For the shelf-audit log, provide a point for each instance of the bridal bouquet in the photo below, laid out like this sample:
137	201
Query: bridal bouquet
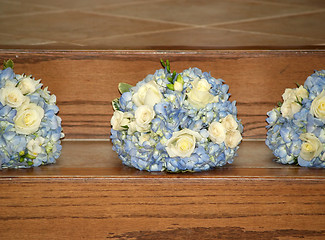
175	122
30	130
296	129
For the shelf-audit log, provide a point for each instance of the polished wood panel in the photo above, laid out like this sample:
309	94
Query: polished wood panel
89	194
85	82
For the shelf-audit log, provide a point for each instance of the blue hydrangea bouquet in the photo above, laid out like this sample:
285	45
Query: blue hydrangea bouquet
296	129
30	130
175	122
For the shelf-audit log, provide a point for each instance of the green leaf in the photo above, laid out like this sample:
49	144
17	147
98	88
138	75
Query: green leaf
124	87
8	64
170	86
162	63
170	79
280	104
298	85
180	79
116	104
30	156
168	66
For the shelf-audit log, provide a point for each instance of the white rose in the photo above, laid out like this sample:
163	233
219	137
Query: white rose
182	143
289	108
34	146
11	96
217	132
311	146
27	85
229	123
199	96
120	119
317	107
301	92
143	116
148	94
233	138
289	95
28	118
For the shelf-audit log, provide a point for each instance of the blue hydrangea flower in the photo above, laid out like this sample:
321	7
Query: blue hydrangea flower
175	134
296	135
38	140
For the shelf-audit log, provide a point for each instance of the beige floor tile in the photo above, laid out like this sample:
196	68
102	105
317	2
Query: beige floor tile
314	3
201	38
202	12
74	25
13	8
22	40
309	25
74	4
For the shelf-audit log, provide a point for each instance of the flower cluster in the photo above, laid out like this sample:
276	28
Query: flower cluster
30	130
296	129
175	122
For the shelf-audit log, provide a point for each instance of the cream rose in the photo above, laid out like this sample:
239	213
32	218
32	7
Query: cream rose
28	118
311	146
34	146
199	96
120	119
289	95
233	138
289	108
27	85
317	107
217	132
148	94
143	116
11	96
182	143
229	123
301	92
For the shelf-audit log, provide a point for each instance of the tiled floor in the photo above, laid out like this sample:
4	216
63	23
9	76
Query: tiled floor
162	24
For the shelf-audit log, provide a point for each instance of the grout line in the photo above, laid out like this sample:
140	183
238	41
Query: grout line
278	3
265	18
264	33
127	4
33	13
138	34
138	18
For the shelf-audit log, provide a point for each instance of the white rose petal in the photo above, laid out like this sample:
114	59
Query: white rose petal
120	119
233	138
11	96
143	138
182	143
311	146
217	132
178	86
28	118
289	95
288	109
199	96
317	107
27	85
148	94
301	92
229	123
34	146
143	116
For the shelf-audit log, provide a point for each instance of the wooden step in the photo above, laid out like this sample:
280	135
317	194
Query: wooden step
89	194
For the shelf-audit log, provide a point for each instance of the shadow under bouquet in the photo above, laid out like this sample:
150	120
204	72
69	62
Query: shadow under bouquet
175	122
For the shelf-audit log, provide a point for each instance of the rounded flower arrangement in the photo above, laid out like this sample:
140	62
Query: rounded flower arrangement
30	130
175	122
296	128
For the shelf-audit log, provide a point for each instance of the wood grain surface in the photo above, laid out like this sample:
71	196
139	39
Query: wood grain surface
89	194
85	82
